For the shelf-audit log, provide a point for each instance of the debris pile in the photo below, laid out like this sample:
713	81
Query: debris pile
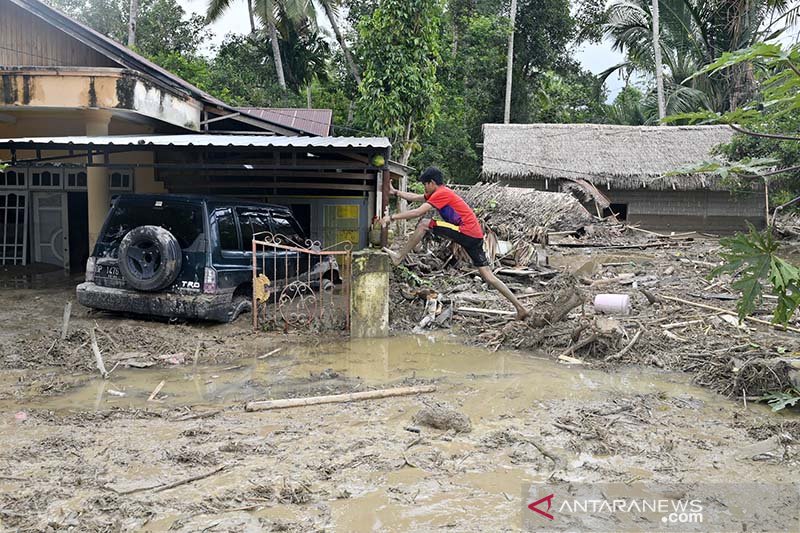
674	315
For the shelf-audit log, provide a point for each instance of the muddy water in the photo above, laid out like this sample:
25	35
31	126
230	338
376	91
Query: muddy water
501	382
352	455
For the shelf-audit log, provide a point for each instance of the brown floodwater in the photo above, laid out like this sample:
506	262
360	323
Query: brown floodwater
503	380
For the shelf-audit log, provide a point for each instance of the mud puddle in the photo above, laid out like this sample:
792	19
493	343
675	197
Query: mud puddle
502	381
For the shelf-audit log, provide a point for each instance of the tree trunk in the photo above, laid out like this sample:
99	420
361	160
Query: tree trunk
276	53
250	15
408	145
662	112
134	13
347	55
510	63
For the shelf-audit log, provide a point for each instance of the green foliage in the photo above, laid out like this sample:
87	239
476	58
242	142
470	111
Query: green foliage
163	26
566	98
3	167
781	400
400	51
753	258
693	34
628	108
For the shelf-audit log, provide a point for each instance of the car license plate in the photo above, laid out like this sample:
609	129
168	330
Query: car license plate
108	271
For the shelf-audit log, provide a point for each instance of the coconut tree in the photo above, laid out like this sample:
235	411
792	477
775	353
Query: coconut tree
332	13
692	34
269	13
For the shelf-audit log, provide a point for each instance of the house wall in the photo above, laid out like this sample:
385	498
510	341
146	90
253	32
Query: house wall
27	40
713	211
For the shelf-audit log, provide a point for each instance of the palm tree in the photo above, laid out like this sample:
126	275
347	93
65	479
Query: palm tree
694	33
331	11
269	12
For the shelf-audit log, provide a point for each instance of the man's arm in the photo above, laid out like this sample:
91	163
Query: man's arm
409	196
411	213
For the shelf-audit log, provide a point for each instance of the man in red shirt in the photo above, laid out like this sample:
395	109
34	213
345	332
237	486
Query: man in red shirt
459	224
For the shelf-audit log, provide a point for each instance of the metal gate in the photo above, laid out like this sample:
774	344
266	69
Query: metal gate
301	287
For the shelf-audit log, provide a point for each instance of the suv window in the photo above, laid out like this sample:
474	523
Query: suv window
185	222
252	221
285	225
226	228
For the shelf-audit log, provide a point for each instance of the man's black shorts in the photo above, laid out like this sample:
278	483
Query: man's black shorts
473	245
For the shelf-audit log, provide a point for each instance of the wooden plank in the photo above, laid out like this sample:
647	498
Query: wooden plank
337	398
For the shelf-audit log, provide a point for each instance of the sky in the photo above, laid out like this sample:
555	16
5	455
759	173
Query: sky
594	57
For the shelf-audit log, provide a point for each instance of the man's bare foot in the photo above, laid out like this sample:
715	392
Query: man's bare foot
394	256
523	315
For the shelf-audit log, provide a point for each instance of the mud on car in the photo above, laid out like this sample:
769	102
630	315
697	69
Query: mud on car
188	256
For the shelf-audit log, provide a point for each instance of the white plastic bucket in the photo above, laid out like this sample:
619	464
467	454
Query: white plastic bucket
613	304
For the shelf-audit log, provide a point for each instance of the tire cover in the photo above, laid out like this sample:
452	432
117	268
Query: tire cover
149	258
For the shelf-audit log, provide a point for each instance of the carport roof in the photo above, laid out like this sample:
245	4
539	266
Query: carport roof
198	140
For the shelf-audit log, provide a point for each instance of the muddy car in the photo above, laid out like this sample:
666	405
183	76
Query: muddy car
188	256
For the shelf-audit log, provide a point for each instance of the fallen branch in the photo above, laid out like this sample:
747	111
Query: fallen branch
189	479
620	354
196	416
571	350
337	398
97	356
163	487
488	312
728	311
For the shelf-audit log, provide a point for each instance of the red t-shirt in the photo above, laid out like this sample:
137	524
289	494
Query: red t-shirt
454	210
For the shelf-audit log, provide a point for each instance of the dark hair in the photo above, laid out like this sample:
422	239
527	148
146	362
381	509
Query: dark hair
431	174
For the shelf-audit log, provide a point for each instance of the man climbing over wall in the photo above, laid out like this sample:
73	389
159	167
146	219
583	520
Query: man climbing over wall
459	224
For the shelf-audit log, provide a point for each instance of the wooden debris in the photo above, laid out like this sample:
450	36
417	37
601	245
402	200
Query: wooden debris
156	391
486	312
97	355
620	354
163	487
273	352
65	322
728	311
338	398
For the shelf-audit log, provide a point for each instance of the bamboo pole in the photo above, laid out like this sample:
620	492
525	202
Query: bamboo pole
728	311
266	405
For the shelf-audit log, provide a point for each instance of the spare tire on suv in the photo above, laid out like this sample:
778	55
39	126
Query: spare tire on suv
149	258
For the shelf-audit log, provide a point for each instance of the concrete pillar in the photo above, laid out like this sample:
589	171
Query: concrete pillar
369	295
97	191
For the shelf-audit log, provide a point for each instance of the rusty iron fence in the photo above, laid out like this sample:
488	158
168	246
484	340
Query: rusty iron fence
301	286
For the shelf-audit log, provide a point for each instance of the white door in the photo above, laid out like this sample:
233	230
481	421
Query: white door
50	229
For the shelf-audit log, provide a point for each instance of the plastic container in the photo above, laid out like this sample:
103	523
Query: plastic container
613	304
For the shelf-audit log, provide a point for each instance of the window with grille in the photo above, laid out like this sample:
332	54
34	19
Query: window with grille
13	178
76	179
13	223
46	178
120	180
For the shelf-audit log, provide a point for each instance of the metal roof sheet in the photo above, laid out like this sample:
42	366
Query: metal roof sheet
315	121
200	140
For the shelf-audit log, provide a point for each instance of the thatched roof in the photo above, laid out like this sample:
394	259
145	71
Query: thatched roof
522	210
616	157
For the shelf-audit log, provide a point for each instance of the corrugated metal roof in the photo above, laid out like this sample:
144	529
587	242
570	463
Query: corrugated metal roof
314	121
238	141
